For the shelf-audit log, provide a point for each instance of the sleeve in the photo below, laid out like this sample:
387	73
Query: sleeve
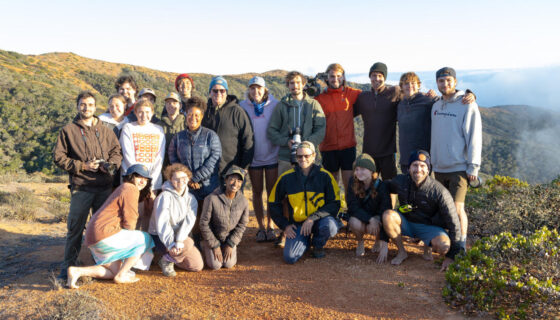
60	155
188	222
162	215
127	145
207	168
129	209
235	236
115	152
472	131
204	223
274	129
246	138
173	148
275	206
155	171
332	199
358	105
319	124
450	218
354	207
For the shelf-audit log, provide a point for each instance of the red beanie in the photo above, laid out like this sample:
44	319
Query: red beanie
181	76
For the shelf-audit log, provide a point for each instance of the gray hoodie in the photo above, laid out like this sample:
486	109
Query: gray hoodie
173	216
456	143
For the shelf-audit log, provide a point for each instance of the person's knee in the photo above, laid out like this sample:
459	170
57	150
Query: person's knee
390	218
441	244
355	225
292	254
214	265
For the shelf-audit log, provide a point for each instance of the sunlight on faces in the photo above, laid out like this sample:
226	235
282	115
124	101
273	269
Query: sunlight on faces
233	183
305	157
410	88
446	85
127	91
144	114
140	182
256	93
179	181
185	88
116	108
418	171
335	79
218	94
296	86
363	174
194	118
172	107
86	108
149	96
377	80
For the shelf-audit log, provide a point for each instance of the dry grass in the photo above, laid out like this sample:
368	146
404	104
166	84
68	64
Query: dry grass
19	205
77	305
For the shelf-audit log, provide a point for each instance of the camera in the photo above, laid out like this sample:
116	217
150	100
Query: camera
108	167
296	137
312	87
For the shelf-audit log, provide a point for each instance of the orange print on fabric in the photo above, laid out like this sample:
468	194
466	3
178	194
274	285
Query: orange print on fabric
146	147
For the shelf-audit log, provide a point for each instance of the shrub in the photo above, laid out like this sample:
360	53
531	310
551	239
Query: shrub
509	276
77	305
21	205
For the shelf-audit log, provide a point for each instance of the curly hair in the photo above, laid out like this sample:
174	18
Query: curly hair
124	79
195	102
176	167
292	74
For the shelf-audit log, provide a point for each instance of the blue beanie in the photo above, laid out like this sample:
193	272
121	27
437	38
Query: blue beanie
218	80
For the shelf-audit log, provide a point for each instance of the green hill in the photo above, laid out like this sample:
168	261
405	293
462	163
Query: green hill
38	91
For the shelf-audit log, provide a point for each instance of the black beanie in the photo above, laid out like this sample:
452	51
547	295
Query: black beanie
379	67
420	155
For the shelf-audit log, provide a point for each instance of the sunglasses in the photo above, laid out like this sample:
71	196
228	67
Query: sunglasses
220	91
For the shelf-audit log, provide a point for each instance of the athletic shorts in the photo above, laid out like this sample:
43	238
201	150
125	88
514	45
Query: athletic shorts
339	159
386	166
455	182
424	232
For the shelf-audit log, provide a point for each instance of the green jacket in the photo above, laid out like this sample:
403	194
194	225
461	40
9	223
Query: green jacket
170	128
288	115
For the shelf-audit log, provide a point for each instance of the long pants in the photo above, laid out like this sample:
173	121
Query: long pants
189	259
212	262
80	204
322	230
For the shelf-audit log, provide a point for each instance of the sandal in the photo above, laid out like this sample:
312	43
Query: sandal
270	235
261	235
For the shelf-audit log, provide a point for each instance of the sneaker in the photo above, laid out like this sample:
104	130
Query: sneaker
167	267
318	253
360	249
261	235
270	235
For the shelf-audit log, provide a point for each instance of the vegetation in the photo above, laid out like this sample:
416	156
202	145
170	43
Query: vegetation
20	205
77	305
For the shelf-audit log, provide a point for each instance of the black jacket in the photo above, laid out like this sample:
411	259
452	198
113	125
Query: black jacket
233	126
365	208
431	204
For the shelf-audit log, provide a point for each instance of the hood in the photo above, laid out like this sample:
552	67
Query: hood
289	101
458	95
76	120
167	186
168	122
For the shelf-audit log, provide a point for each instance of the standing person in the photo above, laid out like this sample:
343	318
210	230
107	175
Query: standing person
456	142
231	123
82	149
259	105
338	148
378	108
114	117
224	218
172	220
127	87
184	84
295	112
313	203
426	210
110	236
368	197
150	95
172	121
144	142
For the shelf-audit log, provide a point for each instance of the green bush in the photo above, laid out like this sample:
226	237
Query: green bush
508	276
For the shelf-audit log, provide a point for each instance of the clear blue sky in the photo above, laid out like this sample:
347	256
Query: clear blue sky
229	37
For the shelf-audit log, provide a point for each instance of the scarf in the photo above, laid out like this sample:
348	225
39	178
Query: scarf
259	108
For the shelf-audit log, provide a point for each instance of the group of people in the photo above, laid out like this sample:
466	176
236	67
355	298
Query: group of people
171	187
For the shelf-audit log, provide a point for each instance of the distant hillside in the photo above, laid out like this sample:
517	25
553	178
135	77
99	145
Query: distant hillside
37	98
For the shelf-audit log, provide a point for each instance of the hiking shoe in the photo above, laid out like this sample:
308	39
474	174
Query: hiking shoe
318	253
261	235
270	235
167	267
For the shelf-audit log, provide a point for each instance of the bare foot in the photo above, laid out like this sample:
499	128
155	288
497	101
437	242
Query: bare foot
126	278
73	276
360	250
427	253
401	256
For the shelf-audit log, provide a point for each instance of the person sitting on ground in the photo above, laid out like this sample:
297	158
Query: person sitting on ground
426	210
367	198
313	203
259	105
172	220
223	220
115	245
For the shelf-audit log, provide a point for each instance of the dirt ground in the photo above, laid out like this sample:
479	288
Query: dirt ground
261	286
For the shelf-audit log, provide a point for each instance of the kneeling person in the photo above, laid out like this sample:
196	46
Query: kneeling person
426	210
313	200
172	220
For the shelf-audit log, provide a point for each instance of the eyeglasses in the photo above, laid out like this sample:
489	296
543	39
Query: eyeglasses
220	91
306	156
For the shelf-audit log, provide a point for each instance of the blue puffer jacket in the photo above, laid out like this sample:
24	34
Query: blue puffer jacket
200	151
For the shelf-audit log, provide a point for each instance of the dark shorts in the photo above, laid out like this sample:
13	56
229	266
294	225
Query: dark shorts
387	166
455	182
339	159
268	166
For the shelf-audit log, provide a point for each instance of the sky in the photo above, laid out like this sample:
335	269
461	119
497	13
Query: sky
231	37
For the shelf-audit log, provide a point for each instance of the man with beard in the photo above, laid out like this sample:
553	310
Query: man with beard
85	149
338	149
